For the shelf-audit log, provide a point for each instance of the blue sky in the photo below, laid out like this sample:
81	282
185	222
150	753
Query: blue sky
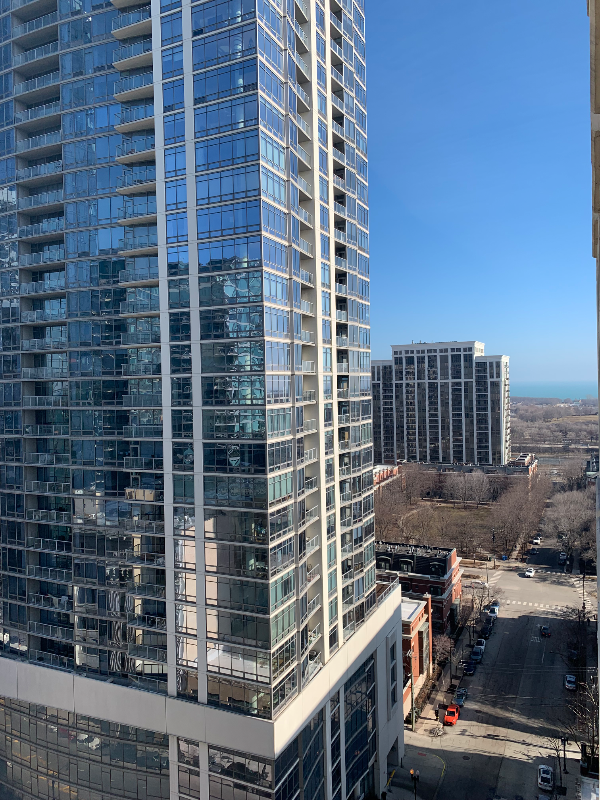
479	159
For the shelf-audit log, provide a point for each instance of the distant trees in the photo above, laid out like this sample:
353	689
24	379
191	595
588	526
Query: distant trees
573	514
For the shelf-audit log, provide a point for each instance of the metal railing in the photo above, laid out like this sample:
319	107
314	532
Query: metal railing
135	176
131	50
51	631
35	25
41	199
37	52
130	18
130	82
39	170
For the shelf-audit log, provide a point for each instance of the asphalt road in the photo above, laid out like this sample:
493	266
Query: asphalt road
516	698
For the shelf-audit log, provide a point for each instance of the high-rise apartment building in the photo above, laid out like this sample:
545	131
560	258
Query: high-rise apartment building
186	470
441	402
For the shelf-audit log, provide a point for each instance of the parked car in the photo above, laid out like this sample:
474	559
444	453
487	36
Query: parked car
490	620
452	714
545	777
496	605
480	643
493	612
545	631
534	551
470	668
477	654
571	683
460	697
537	540
529	573
486	631
562	558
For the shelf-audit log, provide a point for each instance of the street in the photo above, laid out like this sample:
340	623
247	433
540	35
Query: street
516	697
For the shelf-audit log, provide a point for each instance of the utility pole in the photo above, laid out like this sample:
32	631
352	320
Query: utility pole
564	744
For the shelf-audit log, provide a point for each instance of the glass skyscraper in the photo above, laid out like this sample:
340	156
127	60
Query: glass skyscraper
186	461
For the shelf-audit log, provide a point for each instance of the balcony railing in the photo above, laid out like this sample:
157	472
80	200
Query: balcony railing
138	207
38	112
50	601
130	18
140	274
41	199
147	653
310	455
138	243
131	50
143	431
48	460
140	306
130	147
141	368
309	396
41	373
49	573
35	25
306	307
142	400
136	176
305	216
43	287
45	430
40	82
43	228
39	170
132	462
43	315
45	402
146	621
51	631
51	660
135	113
37	52
130	82
305	186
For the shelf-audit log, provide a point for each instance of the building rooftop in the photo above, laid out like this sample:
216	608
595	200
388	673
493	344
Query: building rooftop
411	608
414	549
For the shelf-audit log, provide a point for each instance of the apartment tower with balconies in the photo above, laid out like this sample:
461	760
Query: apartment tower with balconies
441	403
189	604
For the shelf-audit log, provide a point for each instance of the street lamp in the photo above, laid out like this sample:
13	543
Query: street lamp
414	776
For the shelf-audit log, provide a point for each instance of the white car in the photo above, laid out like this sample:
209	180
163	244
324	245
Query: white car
529	573
545	777
480	643
537	540
571	683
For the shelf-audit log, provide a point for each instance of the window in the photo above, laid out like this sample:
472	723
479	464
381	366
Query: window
171	29
177	227
173	95
174	128
172	62
174	161
176	194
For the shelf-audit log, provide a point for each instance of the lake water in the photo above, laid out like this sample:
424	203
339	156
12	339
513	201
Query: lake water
575	390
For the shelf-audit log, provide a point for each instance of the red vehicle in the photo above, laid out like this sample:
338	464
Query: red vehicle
452	714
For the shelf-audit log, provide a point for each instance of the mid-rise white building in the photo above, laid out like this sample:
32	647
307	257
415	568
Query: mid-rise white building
441	402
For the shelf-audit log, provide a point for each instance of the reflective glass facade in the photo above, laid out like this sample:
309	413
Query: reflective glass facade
186	500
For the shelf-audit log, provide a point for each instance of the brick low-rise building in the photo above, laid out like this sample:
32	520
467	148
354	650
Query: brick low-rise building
417	647
423	571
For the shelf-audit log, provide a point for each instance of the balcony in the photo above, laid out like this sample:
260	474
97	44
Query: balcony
36	24
50	601
337	76
146	621
141	209
51	660
149	273
334	98
308	367
307	277
138	244
140	306
311	515
37	112
131	462
310	425
130	149
142	401
305	217
39	171
45	402
144	495
132	23
313	544
307	337
135	117
305	188
136	54
141	368
147	653
135	178
302	152
43	51
45	287
303	126
341	341
49	545
341	263
310	455
49	574
140	337
341	288
51	139
343	367
36	84
341	316
41	199
143	432
40	229
43	315
44	373
309	396
134	87
48	460
45	430
51	631
306	307
343	419
313	574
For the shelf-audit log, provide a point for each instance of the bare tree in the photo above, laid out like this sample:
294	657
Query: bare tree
583	726
572	514
442	647
480	487
390	507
